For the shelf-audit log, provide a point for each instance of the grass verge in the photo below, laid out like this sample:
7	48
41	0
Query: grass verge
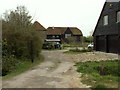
77	51
91	73
24	66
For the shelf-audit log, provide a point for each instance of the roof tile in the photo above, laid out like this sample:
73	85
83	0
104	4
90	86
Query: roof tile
61	30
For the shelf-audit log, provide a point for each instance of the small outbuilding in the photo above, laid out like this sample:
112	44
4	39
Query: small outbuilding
41	30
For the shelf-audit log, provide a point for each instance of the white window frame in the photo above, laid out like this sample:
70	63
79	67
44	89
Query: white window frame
53	36
105	20
57	36
67	35
118	16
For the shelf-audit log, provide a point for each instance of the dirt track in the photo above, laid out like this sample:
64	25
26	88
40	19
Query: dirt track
57	71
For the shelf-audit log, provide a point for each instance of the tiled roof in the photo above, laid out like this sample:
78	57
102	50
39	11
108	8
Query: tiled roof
61	30
55	30
75	31
38	26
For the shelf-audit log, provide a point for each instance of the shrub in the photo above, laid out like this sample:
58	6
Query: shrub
18	31
8	64
78	50
19	38
110	68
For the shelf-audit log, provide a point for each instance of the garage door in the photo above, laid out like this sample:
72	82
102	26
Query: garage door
113	44
100	43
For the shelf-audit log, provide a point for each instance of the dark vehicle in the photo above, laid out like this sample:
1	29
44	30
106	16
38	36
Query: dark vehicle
48	45
51	45
57	45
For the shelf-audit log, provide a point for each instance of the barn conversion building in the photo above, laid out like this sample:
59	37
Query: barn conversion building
41	30
61	34
58	34
107	31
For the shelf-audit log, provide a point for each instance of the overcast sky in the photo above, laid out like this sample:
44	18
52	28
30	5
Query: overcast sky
83	14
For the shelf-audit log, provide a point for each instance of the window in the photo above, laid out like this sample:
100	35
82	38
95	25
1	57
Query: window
67	35
57	36
105	20
53	36
118	16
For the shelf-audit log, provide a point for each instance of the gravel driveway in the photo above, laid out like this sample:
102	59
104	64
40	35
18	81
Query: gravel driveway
57	71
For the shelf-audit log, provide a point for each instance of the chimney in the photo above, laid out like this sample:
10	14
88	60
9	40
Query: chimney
53	27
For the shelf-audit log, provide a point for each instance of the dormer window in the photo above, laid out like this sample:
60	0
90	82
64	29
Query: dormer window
105	20
67	35
57	36
118	16
53	36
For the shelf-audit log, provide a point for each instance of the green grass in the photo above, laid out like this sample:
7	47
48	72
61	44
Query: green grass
24	66
51	49
91	73
75	45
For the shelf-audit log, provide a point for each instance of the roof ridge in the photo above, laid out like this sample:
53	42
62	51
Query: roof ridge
38	26
61	30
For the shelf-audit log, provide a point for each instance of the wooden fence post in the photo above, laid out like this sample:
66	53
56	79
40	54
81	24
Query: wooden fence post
31	51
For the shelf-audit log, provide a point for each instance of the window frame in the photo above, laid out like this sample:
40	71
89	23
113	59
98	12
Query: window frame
118	17
67	35
57	36
53	36
105	20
